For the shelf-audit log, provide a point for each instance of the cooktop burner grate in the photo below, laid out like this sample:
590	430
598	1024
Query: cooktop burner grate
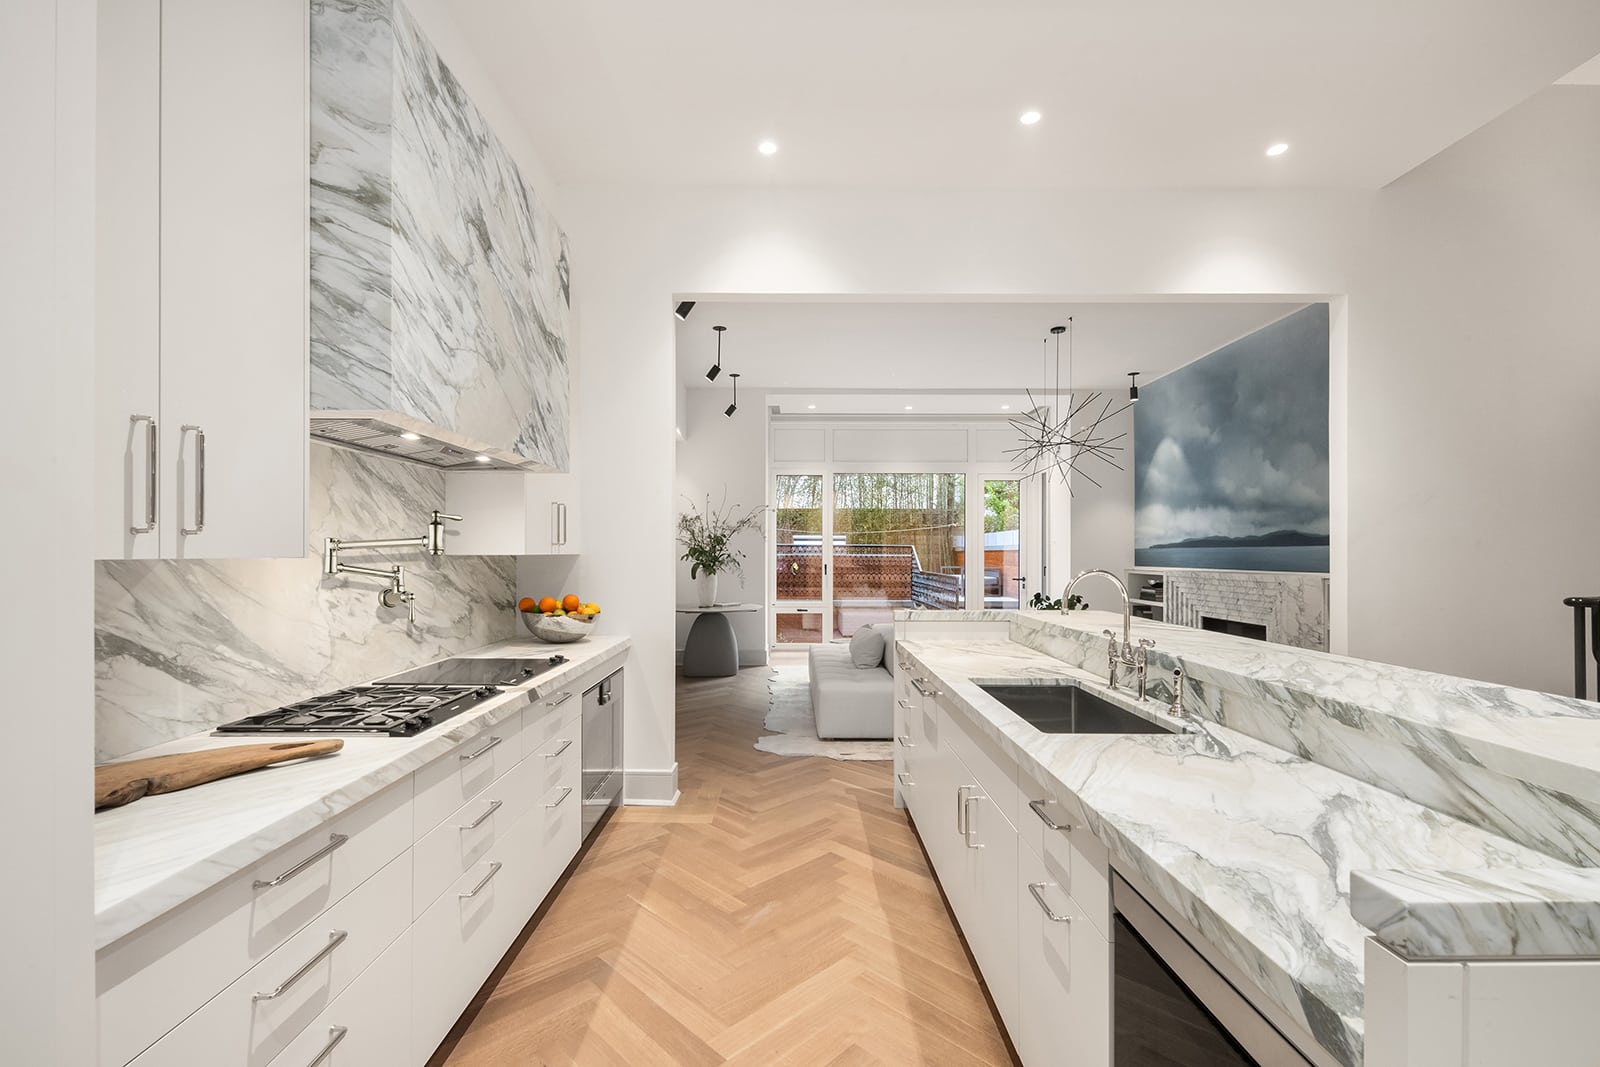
398	710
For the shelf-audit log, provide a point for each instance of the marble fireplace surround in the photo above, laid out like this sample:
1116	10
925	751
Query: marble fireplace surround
1293	607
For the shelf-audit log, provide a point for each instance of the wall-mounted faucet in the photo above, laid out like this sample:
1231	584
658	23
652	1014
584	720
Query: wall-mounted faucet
1127	654
397	594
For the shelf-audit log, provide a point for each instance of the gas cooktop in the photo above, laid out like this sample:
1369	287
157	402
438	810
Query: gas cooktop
400	705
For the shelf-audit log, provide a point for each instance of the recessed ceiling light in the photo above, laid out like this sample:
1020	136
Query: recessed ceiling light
908	407
1278	149
409	436
768	148
811	407
1028	118
481	459
1005	407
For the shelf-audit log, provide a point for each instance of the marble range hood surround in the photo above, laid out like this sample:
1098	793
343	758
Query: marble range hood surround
440	284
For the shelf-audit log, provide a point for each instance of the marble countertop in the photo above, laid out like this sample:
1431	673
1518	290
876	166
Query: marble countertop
1254	846
161	851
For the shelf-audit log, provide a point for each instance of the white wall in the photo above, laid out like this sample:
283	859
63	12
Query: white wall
47	337
1102	519
1474	395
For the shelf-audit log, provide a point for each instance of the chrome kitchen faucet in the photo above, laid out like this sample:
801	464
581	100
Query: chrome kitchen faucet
1127	654
397	593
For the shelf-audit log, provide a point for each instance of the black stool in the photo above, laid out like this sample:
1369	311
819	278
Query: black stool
1579	604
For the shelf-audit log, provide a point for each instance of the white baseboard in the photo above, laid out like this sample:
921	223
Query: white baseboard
647	788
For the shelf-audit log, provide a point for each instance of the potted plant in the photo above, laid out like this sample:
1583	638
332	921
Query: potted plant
706	538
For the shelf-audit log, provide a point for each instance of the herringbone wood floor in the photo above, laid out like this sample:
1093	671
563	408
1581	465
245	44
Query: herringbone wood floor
782	913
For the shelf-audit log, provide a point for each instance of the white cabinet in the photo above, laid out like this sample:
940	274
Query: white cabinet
1063	971
202	204
510	513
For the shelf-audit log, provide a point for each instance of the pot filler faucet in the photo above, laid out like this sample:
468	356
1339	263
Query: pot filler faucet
1128	654
397	593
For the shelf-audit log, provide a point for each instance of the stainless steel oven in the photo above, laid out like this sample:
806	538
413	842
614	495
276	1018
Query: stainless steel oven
1170	1006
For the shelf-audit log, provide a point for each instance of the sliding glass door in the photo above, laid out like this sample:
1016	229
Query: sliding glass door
897	543
799	563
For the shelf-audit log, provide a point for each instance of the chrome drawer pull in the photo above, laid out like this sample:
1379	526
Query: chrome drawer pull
565	793
494	869
566	743
961	809
334	841
969	831
904	704
1038	809
905	778
335	939
335	1035
557	703
905	741
468	757
1034	888
494	806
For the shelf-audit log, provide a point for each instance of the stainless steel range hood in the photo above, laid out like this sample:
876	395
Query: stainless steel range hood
389	433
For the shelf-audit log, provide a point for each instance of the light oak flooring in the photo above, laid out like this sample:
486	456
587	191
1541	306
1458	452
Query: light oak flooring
782	913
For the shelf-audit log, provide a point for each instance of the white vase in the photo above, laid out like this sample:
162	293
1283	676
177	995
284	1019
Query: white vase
708	589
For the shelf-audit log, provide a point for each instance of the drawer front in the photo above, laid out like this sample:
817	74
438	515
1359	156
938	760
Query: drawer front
362	1026
991	768
254	1019
462	935
468	835
552	834
455	778
1064	967
1082	863
153	979
546	721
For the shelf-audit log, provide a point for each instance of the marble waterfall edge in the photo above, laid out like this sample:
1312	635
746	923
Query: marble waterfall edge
182	646
440	279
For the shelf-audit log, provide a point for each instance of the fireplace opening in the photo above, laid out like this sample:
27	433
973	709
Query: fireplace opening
1233	627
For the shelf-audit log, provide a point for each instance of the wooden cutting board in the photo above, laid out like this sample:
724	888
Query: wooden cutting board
116	784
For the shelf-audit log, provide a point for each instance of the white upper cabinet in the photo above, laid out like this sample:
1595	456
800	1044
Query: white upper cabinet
202	280
508	513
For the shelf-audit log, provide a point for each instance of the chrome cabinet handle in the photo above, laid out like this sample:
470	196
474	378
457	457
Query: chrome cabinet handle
555	524
904	704
565	793
335	939
153	456
335	1035
566	743
557	703
334	842
563	524
1035	888
904	741
966	804
905	778
468	757
1044	816
494	869
199	480
494	806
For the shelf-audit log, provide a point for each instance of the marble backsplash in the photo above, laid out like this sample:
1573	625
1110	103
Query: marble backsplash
184	645
440	280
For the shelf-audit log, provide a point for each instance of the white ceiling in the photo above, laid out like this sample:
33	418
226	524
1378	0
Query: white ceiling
926	93
959	348
1588	74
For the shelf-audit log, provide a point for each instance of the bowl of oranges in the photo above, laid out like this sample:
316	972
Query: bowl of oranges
559	622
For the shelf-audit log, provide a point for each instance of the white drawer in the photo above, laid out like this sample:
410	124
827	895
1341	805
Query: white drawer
545	721
363	1025
154	978
992	770
458	776
555	828
1081	863
462	935
463	839
251	1021
1064	967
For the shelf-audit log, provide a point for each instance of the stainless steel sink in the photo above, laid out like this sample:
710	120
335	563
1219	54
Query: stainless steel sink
1064	708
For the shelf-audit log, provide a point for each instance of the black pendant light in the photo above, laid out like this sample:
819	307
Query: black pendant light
731	408
683	310
1133	389
716	368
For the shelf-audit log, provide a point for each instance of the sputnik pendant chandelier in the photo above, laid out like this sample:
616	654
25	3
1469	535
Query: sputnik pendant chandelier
1064	445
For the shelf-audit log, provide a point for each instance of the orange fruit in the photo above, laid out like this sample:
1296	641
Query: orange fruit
527	603
548	604
570	602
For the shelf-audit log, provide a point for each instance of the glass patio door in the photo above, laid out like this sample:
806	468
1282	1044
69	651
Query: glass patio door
800	560
897	541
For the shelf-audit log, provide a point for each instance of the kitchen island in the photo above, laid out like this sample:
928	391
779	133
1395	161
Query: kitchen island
1313	799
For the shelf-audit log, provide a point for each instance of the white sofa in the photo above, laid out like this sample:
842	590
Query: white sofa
852	702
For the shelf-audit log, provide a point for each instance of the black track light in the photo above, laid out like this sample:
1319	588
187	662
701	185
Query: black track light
1133	389
716	368
683	310
731	408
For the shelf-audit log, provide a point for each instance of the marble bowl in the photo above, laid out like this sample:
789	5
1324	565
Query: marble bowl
556	629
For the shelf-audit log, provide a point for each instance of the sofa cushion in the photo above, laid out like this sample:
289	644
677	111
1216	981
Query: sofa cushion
866	648
887	629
